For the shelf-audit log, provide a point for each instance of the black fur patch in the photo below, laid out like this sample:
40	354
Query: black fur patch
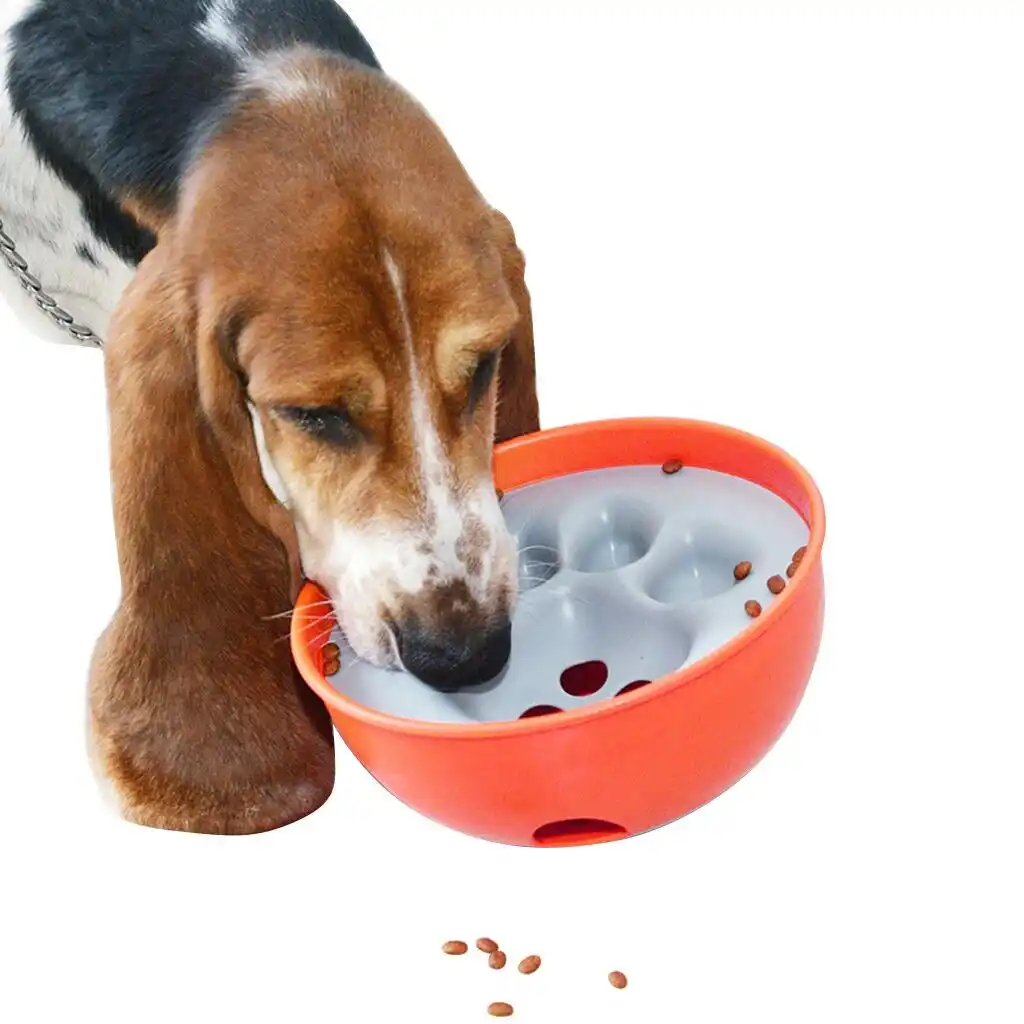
112	92
87	254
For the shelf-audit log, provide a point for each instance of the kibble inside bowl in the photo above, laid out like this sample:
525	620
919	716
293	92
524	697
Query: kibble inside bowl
640	684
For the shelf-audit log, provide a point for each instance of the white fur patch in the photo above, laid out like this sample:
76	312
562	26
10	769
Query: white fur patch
271	477
217	26
446	511
44	218
285	75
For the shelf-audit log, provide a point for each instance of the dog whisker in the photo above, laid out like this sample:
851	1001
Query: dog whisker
291	611
561	592
322	636
317	639
538	547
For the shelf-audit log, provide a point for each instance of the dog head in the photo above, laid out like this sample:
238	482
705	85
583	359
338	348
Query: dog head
354	302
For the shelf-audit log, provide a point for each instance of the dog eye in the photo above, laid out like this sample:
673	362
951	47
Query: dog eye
483	376
324	423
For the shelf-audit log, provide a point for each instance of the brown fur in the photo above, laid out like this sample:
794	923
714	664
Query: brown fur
299	259
266	285
518	411
199	719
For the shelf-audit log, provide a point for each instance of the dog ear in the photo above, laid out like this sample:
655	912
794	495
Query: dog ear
198	719
518	408
223	399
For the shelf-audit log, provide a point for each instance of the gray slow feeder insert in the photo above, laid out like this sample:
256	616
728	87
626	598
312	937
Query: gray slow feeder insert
626	575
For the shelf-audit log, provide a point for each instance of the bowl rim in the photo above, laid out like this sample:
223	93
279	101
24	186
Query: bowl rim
305	623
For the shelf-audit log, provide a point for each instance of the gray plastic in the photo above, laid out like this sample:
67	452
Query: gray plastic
629	567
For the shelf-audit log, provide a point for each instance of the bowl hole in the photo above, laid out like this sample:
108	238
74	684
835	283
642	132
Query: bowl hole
584	679
616	537
562	627
539	710
635	685
577	832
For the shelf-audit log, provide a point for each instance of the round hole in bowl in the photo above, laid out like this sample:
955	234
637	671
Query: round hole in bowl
539	710
539	556
613	537
567	629
637	684
560	627
585	678
577	832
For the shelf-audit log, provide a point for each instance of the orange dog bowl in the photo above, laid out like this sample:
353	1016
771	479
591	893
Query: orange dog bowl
622	762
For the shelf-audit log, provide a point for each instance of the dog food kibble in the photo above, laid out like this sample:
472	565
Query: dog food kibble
791	571
753	609
798	555
487	945
455	948
742	571
618	979
331	654
776	585
530	965
671	467
497	960
500	1010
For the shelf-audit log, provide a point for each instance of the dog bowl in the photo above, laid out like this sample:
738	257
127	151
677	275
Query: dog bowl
640	686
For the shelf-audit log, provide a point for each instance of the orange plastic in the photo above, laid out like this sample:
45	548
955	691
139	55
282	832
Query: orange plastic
619	767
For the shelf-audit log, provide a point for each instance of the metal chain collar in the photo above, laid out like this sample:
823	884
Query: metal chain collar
81	334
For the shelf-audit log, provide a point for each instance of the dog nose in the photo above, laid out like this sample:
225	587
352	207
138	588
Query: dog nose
449	662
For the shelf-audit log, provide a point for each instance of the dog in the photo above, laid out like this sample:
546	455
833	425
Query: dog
315	330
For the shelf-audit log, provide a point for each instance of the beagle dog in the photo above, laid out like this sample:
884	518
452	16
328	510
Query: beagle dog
318	328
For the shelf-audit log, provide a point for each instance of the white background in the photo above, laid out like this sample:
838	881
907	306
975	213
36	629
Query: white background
805	220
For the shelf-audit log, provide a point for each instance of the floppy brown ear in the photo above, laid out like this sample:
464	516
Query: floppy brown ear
223	400
198	719
518	409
